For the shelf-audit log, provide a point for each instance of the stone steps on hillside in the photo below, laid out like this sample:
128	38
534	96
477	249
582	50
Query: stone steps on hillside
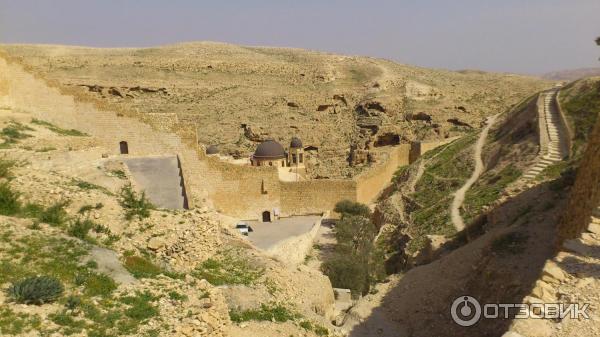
552	152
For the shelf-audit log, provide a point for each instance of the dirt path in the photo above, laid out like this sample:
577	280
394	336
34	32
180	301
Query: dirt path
459	195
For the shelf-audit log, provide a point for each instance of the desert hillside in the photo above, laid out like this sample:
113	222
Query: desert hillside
240	95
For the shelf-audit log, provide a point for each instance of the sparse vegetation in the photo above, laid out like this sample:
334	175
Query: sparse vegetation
119	174
12	323
581	103
228	268
271	312
13	133
135	205
140	267
488	189
55	215
6	168
57	130
448	168
9	200
87	208
80	228
36	290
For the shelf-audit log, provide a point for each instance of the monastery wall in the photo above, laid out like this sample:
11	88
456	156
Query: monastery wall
239	191
314	196
371	182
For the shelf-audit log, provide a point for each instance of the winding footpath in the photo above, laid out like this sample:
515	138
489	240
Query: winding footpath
550	135
459	195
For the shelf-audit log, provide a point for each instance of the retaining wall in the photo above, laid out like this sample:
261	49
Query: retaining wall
293	250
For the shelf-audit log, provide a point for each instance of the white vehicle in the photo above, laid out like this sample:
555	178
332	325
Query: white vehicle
243	227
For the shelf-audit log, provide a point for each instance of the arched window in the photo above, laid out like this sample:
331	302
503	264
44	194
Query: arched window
270	163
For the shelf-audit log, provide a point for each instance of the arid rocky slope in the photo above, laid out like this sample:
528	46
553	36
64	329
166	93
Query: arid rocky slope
511	249
336	103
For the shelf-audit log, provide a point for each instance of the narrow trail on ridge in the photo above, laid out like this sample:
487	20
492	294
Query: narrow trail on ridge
459	195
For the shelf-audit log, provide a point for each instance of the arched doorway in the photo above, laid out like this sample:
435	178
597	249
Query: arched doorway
266	216
124	147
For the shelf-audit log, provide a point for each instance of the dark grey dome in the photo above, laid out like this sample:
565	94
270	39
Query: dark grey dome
296	143
269	149
212	149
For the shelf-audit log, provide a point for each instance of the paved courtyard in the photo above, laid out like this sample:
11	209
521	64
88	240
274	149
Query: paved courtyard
268	234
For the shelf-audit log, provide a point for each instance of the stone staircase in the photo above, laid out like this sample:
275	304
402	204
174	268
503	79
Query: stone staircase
552	150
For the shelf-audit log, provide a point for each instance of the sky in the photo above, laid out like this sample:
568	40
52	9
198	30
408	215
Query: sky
520	36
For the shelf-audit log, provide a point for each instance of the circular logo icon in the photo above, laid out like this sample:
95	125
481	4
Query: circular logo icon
466	311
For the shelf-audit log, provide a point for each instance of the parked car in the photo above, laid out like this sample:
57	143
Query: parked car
243	227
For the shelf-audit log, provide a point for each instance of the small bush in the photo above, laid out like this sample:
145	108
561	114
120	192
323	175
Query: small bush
317	329
55	214
5	168
99	285
9	200
141	307
140	267
274	313
175	296
72	302
80	228
119	174
135	205
36	290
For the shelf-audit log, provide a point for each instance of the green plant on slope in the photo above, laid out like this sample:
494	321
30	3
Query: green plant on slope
135	205
9	200
36	290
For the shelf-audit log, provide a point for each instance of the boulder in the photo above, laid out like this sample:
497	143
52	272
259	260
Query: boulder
155	243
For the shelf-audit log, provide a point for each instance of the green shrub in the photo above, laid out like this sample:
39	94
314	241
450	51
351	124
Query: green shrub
141	307
9	200
317	329
273	313
36	290
55	215
13	133
139	267
72	302
175	296
347	207
135	205
346	271
6	168
80	228
99	285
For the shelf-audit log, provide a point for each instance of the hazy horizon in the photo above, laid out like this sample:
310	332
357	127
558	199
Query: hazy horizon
536	37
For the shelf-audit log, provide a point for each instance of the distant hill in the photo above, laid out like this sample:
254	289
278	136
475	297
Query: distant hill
572	74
